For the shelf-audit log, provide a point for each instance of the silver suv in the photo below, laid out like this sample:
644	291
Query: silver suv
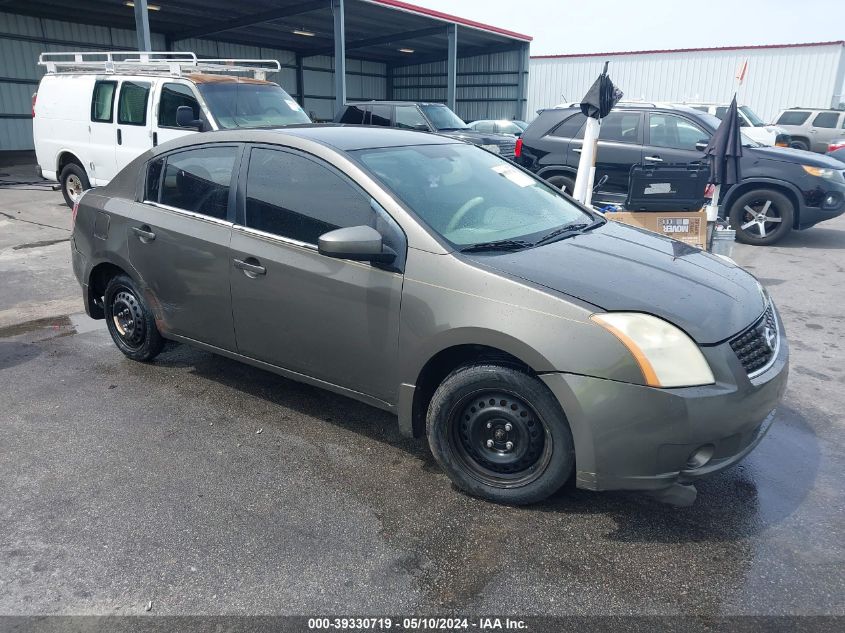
527	337
813	129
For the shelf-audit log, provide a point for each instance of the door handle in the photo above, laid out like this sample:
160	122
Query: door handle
653	159
119	137
144	233
577	150
250	269
155	139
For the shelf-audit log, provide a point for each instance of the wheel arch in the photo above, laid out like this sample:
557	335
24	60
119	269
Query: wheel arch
98	279
66	157
786	188
557	170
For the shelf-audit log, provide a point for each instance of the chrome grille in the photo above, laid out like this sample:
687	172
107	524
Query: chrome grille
757	347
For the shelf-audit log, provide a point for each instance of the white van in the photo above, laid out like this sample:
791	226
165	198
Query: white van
95	112
752	125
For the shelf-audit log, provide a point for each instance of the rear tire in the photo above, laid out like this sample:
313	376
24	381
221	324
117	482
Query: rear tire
564	183
130	321
500	434
800	144
762	217
74	183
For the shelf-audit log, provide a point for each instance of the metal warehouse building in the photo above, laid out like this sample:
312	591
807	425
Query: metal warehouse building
777	77
388	49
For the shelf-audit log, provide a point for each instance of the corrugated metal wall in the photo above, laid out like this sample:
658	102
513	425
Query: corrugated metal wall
488	85
777	78
22	38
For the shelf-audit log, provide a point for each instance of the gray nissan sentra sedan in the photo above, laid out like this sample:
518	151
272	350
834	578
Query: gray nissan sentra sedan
527	337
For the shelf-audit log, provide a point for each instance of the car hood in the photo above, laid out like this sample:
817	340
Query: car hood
620	268
790	155
480	138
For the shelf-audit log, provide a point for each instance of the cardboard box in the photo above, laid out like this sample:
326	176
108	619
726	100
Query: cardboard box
689	227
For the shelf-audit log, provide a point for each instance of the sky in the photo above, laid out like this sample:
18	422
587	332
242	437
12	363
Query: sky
567	26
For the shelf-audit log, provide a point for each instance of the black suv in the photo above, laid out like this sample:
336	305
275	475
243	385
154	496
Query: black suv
424	117
781	189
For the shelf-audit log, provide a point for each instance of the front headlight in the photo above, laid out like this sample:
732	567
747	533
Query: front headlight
665	354
823	172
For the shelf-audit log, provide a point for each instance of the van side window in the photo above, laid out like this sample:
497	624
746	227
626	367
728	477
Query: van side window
172	96
196	180
280	197
132	104
102	101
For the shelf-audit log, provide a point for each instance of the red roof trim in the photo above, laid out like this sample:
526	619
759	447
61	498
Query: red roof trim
412	8
690	50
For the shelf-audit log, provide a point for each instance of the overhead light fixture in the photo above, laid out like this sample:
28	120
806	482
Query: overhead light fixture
150	7
303	32
406	50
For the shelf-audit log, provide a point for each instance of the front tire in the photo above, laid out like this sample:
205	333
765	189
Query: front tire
500	434
762	217
130	321
74	183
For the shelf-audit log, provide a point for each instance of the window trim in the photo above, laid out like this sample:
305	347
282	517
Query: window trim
231	204
161	86
111	105
146	101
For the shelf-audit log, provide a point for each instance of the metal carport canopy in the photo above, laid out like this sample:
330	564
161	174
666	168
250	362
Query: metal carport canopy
373	30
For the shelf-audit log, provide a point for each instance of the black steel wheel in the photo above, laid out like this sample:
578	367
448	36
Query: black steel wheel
762	217
129	320
500	434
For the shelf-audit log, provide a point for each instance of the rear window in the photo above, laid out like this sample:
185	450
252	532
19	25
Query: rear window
570	127
791	117
195	180
102	101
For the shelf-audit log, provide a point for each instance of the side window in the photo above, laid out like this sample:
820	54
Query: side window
153	180
721	111
281	197
622	127
197	180
826	119
173	96
132	104
380	115
509	128
571	127
353	115
486	126
410	118
102	101
674	132
791	117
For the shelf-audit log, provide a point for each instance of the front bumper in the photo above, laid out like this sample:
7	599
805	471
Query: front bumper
824	202
633	437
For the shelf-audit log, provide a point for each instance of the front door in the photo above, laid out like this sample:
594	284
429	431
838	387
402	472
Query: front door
179	242
133	122
331	319
673	139
169	97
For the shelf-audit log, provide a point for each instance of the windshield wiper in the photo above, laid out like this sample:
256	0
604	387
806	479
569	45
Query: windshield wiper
567	231
497	245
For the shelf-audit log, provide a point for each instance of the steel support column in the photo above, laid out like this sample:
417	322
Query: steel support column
522	89
452	66
300	81
142	26
339	55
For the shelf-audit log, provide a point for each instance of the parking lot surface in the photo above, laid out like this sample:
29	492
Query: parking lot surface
204	486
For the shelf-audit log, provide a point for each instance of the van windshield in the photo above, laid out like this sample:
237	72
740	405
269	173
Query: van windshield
245	105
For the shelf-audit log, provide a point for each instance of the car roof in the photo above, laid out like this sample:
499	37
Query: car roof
359	103
340	137
636	105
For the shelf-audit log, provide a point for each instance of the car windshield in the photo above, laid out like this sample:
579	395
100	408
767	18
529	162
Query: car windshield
714	122
752	116
443	118
469	196
245	104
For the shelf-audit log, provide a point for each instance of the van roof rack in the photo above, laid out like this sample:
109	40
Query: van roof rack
171	63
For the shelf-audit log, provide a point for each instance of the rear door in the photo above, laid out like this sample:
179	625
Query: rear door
179	241
103	131
825	128
133	134
619	149
169	96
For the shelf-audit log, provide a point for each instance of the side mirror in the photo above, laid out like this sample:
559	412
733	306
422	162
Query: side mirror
359	243
701	145
185	118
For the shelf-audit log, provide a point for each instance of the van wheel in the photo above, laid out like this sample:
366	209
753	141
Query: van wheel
762	217
564	183
500	434
130	321
74	183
